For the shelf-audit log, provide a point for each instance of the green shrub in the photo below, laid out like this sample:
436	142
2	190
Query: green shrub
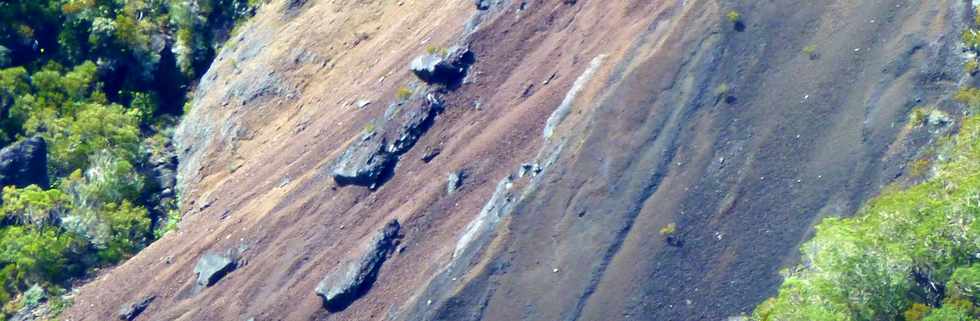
971	39
969	96
127	229
861	268
100	126
971	67
916	312
949	314
403	94
918	116
733	16
172	224
965	283
810	51
32	205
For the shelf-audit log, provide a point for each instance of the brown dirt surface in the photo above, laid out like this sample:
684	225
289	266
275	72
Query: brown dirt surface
737	137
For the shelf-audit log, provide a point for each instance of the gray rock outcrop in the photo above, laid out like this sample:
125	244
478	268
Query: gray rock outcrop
371	159
364	162
411	124
351	280
24	163
212	267
447	69
133	310
482	4
454	182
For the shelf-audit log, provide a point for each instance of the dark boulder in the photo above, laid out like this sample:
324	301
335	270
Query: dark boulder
444	69
371	160
24	163
212	267
363	163
131	311
482	4
352	280
411	124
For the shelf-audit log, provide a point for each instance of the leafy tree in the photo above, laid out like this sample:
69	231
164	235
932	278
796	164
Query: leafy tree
32	205
900	249
101	81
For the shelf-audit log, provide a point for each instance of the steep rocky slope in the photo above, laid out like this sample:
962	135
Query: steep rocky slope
582	129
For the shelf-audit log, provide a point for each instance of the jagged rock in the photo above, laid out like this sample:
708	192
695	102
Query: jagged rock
414	122
350	281
163	167
526	168
431	153
131	311
24	163
370	160
363	163
448	69
455	181
212	267
482	4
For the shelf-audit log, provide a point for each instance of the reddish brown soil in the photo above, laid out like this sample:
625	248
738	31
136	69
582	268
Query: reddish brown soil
645	143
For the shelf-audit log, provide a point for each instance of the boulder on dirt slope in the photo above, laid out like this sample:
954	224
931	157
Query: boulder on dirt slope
409	125
133	310
364	162
447	69
369	160
212	267
351	280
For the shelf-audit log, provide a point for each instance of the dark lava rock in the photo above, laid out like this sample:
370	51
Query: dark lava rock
352	280
448	70
24	163
414	122
212	267
371	160
364	162
431	153
482	4
133	310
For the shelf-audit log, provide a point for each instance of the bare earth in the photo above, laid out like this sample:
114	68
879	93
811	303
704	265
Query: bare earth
737	137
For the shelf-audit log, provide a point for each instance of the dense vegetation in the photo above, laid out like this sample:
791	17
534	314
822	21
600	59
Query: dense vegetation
910	254
102	81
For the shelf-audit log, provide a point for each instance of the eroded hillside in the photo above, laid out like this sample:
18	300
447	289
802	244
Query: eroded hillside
581	130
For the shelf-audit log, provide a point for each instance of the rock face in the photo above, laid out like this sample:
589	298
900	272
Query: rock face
370	160
641	144
161	168
341	287
448	70
409	125
364	162
133	310
212	267
24	163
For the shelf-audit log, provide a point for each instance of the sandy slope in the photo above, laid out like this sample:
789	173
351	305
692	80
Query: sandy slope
648	140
